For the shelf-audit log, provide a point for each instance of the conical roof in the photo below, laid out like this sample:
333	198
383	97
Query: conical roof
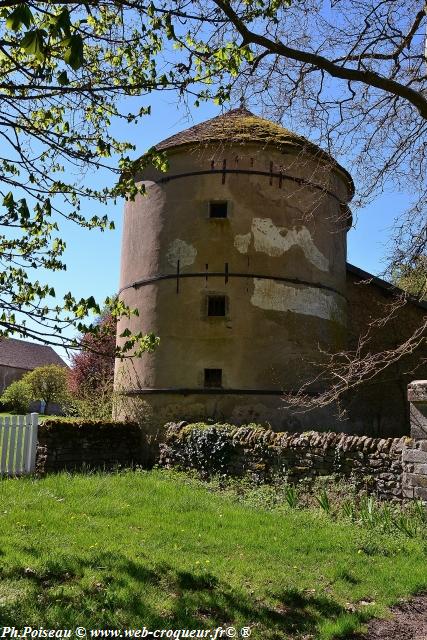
240	126
237	125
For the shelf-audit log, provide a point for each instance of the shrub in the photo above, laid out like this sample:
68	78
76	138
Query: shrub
48	383
207	448
91	404
18	396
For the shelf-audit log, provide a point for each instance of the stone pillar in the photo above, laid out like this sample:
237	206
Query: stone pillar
414	455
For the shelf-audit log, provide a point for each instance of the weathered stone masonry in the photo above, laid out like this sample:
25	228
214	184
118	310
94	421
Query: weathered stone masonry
415	453
373	462
75	445
393	468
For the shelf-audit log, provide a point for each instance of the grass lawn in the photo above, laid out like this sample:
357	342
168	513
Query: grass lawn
157	549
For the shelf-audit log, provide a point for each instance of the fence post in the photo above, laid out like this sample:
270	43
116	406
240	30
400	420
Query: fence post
32	449
4	445
414	455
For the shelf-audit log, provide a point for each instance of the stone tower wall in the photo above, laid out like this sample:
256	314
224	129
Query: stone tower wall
278	257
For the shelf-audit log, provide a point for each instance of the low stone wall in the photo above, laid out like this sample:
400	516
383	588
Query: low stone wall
376	463
81	444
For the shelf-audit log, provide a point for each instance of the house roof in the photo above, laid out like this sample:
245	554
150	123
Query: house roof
387	287
240	126
27	355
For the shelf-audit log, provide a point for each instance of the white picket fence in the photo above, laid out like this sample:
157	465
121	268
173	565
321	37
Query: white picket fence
18	444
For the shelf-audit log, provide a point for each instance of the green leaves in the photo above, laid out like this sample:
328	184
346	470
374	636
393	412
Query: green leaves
73	54
53	28
63	79
62	23
8	200
34	43
62	120
20	16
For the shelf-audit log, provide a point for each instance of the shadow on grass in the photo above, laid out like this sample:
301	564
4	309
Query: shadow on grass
113	591
347	577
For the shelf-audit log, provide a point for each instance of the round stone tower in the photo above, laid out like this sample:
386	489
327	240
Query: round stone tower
236	259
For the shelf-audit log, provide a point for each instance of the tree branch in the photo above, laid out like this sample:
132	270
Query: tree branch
366	76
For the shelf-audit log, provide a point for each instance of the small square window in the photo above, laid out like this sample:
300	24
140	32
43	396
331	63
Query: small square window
216	306
218	209
213	378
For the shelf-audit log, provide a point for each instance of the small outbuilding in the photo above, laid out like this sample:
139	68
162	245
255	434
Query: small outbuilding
17	357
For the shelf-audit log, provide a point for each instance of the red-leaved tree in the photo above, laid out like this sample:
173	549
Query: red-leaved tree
92	368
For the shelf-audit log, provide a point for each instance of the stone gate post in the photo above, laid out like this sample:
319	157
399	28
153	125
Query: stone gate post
414	455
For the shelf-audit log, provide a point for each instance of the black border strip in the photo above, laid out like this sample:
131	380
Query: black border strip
225	274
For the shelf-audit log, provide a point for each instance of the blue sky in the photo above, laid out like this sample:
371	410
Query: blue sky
93	258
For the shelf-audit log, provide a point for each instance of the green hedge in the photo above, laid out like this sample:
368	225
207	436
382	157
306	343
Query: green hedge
82	423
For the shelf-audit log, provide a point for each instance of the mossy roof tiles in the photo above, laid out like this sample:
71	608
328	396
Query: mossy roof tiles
240	126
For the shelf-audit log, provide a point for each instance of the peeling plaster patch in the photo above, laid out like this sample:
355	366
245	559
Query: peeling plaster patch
275	241
242	242
310	301
182	251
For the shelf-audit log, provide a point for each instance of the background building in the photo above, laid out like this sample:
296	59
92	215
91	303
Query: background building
17	357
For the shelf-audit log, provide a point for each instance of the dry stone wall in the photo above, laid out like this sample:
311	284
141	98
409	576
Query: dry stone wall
372	462
393	468
85	444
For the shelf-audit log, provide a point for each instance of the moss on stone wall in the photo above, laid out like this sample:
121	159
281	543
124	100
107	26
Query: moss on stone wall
373	463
